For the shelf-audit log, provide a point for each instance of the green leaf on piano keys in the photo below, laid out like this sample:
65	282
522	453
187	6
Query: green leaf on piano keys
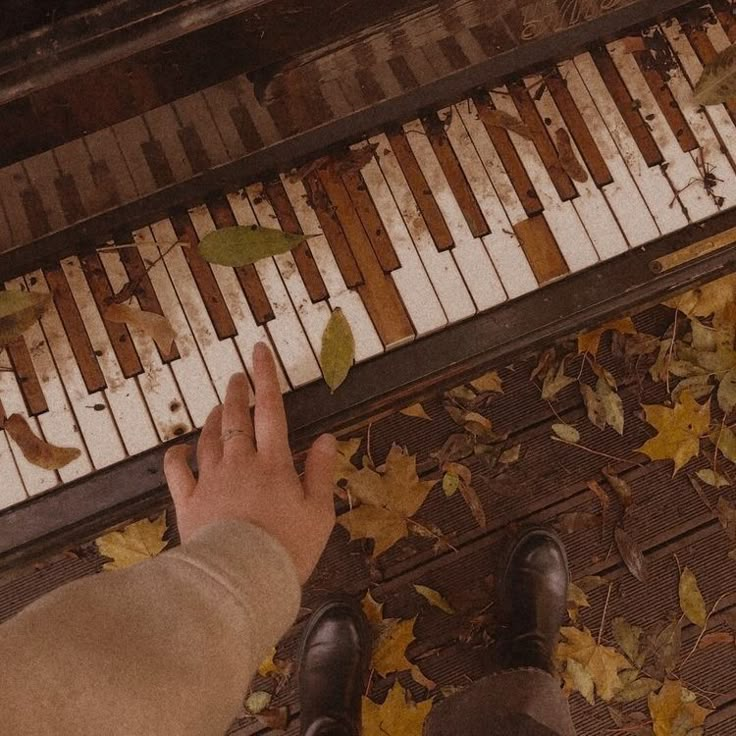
34	449
717	83
241	245
338	349
18	311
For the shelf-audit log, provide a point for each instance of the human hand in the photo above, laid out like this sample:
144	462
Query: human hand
251	475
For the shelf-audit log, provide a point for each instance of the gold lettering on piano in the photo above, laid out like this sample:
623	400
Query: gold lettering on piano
544	17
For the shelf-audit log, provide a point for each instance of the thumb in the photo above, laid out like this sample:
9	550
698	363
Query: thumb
179	476
319	471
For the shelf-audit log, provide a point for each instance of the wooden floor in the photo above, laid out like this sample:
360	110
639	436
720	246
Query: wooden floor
668	520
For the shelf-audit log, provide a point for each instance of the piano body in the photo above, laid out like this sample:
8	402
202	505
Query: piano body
459	239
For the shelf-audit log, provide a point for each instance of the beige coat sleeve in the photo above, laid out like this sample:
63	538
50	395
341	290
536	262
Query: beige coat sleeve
166	647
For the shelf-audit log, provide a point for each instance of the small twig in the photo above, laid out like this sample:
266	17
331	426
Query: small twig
702	633
670	350
112	248
718	443
433	534
679	566
596	452
370	682
605	608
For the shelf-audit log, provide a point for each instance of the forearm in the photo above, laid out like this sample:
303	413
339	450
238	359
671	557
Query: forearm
165	647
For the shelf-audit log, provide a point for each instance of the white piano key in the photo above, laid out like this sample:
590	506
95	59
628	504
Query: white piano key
157	383
58	424
469	253
314	317
164	127
220	356
42	171
367	341
12	490
123	394
259	114
415	287
35	479
191	373
591	205
440	265
92	411
622	194
249	333
502	244
130	136
221	99
722	133
286	332
681	169
564	222
654	186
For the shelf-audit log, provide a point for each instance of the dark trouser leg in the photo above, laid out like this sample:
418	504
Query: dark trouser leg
329	727
523	702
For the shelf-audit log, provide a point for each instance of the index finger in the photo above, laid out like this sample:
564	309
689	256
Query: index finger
270	417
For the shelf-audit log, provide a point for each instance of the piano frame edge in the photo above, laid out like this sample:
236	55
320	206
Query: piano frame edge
284	154
73	513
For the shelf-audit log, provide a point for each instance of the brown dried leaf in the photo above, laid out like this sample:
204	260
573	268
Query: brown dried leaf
510	456
566	432
415	410
599	493
715	638
712	478
727	517
621	488
435	599
471	498
274	718
691	599
631	554
665	646
18	311
501	119
727	391
576	521
457	446
34	449
155	326
568	158
555	381
490	381
717	83
604	406
674	710
628	638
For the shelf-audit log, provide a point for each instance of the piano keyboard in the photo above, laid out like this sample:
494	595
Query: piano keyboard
451	216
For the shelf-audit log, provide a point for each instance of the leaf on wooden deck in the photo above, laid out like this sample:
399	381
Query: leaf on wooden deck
679	430
604	406
471	498
435	599
272	666
576	599
501	119
717	83
338	349
490	381
155	326
637	689
510	456
726	395
555	381
674	710
276	719
344	467
691	599
713	478
18	311
715	638
36	450
257	702
398	715
727	517
243	244
415	410
568	158
665	646
620	487
575	521
628	638
724	439
631	554
566	432
138	541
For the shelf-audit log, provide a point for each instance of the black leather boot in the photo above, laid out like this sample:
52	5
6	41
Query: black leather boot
333	667
532	594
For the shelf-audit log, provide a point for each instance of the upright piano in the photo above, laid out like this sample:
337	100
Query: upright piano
480	178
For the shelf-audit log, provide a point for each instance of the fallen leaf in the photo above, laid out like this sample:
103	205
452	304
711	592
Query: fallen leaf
257	701
637	689
456	447
665	647
37	451
727	517
674	710
599	493
501	119
338	349
273	667
726	395
510	456
604	406
488	382
387	500
576	599
434	598
575	521
628	638
588	583
568	158
679	430
601	663
274	718
725	440
620	487
138	541
691	599
396	716
717	82
346	449
707	299
555	381
243	244
450	484
155	326
699	387
471	498
415	410
715	638
631	554
18	311
567	433
712	478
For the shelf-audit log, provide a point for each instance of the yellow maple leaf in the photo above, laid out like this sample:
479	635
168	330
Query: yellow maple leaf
396	716
490	381
139	541
674	710
391	639
679	430
598	663
387	500
707	299
344	468
589	342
